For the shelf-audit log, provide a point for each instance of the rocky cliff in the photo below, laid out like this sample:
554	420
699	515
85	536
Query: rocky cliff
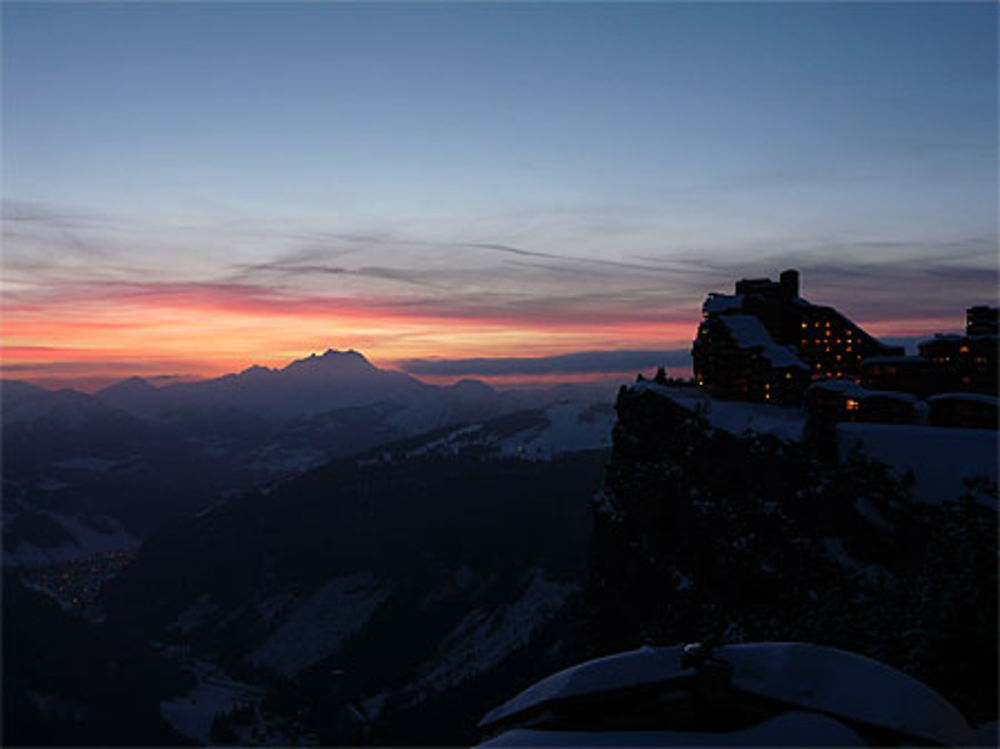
705	534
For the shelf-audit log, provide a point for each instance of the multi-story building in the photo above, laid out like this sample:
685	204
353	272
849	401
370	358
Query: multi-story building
765	342
966	363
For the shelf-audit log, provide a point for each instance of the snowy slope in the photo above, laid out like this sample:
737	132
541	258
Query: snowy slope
570	427
940	458
215	692
319	623
86	540
482	639
735	417
561	427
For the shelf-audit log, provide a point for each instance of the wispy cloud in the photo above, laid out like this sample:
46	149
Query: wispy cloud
84	282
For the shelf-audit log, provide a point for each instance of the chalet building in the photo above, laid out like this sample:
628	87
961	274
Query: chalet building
982	320
845	400
947	363
766	343
907	374
965	363
967	410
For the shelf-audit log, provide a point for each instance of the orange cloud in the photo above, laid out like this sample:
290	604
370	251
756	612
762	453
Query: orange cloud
112	330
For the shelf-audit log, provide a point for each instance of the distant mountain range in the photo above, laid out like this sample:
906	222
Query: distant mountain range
430	542
90	472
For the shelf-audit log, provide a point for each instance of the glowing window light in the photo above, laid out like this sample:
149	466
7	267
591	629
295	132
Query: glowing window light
852	405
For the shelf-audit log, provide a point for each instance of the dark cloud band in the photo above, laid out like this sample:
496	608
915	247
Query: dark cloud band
587	362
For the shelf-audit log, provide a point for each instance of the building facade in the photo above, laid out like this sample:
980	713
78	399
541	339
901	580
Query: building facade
766	343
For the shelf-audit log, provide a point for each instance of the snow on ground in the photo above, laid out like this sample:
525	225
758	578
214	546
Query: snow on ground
481	639
836	551
91	463
89	541
274	459
110	538
192	714
565	427
571	427
735	417
939	457
319	623
451	442
195	615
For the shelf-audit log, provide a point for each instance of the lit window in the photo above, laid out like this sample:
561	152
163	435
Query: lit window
848	348
828	333
852	405
838	357
963	350
805	325
828	325
788	375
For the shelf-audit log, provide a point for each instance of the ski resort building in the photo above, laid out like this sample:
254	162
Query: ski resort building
766	343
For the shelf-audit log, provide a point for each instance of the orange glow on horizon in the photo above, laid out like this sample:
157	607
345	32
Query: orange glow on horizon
195	331
90	343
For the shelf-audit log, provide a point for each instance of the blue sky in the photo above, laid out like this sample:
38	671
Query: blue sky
637	153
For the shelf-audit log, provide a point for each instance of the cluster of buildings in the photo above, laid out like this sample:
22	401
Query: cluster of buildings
766	343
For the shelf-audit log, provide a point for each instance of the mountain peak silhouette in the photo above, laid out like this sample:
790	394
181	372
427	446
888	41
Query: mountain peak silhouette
332	363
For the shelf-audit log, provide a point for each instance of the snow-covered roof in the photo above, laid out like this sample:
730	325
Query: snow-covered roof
722	303
735	417
806	676
974	397
943	337
895	360
844	387
891	394
749	333
851	389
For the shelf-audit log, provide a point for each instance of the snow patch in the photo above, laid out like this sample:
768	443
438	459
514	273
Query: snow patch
192	714
939	457
88	541
319	623
195	615
91	463
735	417
481	640
566	432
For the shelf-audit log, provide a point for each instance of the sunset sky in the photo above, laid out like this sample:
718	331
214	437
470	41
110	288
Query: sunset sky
191	188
